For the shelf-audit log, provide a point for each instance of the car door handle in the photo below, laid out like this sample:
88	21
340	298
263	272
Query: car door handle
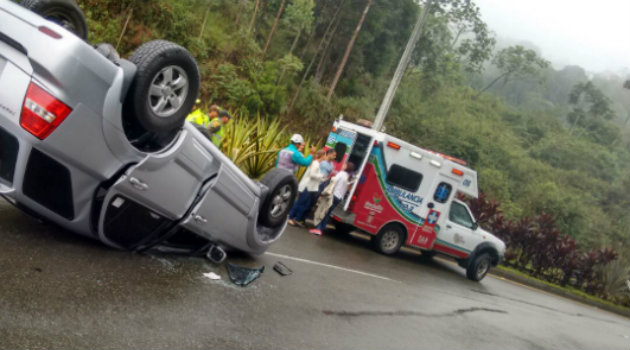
449	226
200	219
137	184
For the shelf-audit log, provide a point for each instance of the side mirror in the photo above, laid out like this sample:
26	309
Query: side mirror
475	226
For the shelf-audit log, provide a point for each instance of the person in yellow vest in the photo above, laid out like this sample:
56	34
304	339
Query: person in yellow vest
197	116
215	127
202	120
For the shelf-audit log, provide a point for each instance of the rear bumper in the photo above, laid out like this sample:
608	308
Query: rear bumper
343	216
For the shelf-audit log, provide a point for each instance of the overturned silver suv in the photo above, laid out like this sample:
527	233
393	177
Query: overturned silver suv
98	144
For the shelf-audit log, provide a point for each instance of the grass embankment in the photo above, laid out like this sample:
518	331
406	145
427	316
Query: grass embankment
564	291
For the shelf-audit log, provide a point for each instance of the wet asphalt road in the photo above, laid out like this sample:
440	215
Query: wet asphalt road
59	290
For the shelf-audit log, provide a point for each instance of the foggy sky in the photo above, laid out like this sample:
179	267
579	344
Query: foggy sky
594	35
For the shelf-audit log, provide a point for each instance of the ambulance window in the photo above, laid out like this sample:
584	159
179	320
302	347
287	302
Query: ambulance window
340	148
442	192
459	215
404	178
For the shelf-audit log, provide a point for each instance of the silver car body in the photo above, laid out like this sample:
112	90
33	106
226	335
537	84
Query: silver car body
189	184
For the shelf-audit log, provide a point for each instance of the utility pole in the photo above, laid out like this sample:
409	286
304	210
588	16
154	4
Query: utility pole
400	70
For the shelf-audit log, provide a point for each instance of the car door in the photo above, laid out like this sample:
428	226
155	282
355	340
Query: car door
157	191
458	236
432	210
341	140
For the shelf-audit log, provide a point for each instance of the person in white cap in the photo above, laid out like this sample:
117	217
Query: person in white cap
291	157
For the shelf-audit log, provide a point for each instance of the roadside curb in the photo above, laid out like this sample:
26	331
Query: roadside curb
558	291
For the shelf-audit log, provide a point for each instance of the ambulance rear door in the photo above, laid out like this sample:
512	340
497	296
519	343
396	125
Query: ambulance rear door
351	146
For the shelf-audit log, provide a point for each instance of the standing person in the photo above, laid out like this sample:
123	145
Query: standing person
202	120
326	167
308	190
291	157
340	183
197	116
215	127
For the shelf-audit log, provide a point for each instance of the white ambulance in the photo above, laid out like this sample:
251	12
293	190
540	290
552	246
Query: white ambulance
405	195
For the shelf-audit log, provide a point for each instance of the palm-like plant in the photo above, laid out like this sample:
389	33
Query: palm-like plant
266	141
253	146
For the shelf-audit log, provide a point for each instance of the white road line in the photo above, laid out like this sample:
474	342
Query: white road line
329	266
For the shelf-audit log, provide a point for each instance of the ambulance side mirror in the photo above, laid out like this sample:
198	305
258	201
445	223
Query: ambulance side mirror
475	226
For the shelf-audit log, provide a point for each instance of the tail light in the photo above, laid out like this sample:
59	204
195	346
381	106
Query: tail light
353	200
51	33
42	112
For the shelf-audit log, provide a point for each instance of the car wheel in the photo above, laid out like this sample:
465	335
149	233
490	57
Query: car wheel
277	204
66	13
479	267
165	87
389	239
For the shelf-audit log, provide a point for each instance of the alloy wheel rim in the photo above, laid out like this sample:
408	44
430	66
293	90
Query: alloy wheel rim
168	91
281	201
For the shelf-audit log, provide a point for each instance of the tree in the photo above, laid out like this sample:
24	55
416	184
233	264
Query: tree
590	109
455	37
273	27
251	22
323	43
344	60
476	42
516	61
299	17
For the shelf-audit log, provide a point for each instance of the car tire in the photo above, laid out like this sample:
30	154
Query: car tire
66	13
164	88
479	267
279	200
389	239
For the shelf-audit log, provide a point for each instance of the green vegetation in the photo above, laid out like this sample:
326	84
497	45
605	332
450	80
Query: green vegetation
564	290
543	140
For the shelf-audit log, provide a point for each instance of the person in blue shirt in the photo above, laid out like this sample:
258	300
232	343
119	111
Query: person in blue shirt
327	165
291	157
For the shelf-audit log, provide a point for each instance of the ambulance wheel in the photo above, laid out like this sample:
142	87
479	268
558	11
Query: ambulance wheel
389	239
479	267
277	204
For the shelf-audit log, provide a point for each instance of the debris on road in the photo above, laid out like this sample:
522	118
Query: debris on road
212	276
242	276
282	269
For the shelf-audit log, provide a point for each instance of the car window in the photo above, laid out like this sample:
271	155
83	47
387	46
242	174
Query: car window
404	178
459	215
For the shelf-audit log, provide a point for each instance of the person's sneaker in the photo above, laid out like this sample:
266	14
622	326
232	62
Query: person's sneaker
292	222
315	231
